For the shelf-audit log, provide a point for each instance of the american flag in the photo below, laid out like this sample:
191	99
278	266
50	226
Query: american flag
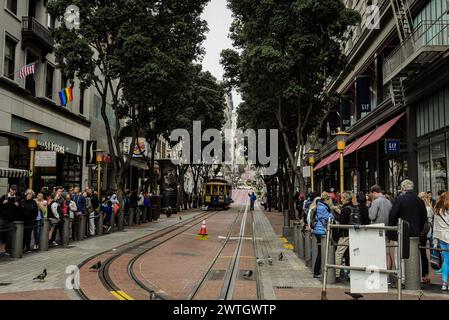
27	70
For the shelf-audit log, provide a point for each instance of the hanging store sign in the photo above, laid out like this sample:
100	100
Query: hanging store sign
363	94
140	148
45	159
306	171
91	159
345	113
50	146
392	147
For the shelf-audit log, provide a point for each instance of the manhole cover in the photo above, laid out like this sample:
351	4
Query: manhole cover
217	274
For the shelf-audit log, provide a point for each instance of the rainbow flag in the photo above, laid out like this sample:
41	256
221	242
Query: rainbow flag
65	96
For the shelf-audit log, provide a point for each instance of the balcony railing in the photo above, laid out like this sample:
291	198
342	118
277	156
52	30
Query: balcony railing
32	30
427	41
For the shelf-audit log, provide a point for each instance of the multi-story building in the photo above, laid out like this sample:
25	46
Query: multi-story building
395	99
33	102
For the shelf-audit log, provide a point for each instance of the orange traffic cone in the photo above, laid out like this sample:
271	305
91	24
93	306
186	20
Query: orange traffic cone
203	231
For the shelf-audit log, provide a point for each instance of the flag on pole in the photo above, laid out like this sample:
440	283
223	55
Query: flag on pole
27	70
65	96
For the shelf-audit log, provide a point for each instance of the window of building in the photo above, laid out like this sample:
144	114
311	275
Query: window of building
424	168
10	58
30	82
11	5
50	22
82	90
439	167
49	81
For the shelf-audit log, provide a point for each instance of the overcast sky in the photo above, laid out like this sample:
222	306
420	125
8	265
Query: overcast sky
219	19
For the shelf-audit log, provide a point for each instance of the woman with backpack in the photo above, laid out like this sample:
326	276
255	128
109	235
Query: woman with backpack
319	221
441	235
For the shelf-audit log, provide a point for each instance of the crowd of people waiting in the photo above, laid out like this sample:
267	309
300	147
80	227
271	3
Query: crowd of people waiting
58	203
427	217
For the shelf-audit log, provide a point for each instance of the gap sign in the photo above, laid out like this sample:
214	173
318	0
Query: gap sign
392	147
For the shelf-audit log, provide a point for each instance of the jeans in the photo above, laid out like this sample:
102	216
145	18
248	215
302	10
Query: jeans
445	269
317	267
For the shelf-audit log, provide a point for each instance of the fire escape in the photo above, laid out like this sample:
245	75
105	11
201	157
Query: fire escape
404	21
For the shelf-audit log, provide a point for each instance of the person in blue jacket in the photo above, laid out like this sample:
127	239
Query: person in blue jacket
252	199
322	215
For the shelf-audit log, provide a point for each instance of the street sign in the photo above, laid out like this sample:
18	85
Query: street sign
306	172
45	159
392	147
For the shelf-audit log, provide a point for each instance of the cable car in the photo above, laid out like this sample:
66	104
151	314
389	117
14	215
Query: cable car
218	194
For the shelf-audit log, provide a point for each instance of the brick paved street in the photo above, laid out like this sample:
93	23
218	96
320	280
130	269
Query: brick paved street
16	274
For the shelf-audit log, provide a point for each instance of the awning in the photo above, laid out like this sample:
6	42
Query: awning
362	142
13	173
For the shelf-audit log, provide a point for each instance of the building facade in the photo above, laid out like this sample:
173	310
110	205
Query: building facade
395	99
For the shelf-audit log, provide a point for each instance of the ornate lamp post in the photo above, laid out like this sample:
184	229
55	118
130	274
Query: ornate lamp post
342	136
312	157
99	155
33	136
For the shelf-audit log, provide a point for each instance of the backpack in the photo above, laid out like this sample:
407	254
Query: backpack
313	218
355	218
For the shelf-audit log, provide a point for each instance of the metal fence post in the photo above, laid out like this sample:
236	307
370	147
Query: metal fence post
121	220
137	215
144	214
301	244
327	247
17	239
399	258
81	227
296	235
99	225
43	236
131	217
314	251
65	231
307	247
413	266
150	214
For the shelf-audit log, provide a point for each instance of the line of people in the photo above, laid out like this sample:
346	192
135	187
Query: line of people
428	219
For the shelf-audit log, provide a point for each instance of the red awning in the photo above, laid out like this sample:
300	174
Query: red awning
362	142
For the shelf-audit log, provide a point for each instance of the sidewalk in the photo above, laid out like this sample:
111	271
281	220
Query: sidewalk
290	279
16	274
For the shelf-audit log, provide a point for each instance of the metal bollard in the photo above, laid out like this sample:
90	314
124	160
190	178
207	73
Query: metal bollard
296	235
81	227
99	225
65	231
150	214
43	237
121	220
330	260
112	223
307	247
137	213
17	239
314	251
413	266
301	247
131	217
144	214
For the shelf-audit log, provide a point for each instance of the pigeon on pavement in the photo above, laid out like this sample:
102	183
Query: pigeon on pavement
259	261
355	296
153	295
42	276
281	256
270	260
248	274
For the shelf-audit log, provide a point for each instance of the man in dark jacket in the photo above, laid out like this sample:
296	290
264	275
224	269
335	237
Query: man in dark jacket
343	217
410	208
9	212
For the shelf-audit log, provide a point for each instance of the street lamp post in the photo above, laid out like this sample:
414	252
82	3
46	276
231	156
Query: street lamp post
341	146
33	136
312	154
99	156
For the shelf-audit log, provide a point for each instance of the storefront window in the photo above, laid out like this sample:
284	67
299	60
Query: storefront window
424	169
439	167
